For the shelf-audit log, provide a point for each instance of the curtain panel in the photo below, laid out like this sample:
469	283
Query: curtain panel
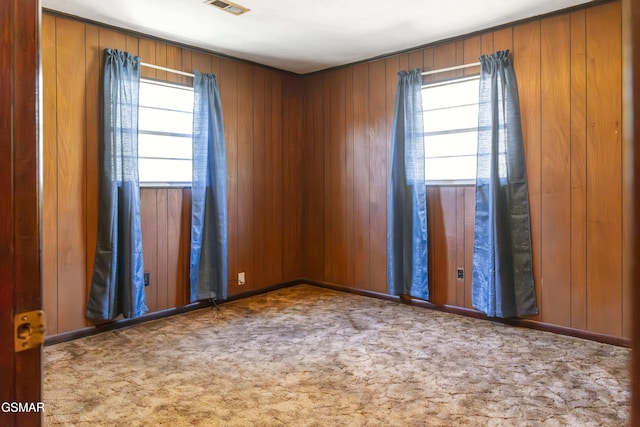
208	259
407	205
117	284
502	283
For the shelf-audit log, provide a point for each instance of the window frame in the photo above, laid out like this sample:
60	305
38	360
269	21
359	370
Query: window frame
444	82
165	184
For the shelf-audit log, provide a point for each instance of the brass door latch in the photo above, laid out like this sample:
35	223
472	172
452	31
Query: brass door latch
29	329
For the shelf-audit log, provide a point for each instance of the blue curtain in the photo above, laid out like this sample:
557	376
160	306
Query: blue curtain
208	266
117	285
502	284
407	204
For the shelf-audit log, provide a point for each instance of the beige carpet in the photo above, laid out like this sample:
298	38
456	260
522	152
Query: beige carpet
306	356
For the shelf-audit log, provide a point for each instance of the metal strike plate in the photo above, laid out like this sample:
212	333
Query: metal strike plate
29	329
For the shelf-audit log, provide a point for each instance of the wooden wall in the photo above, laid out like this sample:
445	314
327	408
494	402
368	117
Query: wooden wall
264	198
308	162
568	69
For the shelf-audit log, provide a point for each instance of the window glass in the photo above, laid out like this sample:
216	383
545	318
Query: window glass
165	128
451	130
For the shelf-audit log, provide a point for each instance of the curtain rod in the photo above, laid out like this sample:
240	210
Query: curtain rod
457	67
169	70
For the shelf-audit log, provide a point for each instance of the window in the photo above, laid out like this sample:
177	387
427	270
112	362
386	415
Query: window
451	130
165	125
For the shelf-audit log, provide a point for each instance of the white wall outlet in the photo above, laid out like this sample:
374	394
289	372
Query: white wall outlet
241	278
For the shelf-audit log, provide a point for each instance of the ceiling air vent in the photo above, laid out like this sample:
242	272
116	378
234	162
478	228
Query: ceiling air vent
228	6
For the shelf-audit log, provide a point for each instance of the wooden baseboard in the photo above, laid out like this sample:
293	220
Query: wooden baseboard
123	323
524	323
404	299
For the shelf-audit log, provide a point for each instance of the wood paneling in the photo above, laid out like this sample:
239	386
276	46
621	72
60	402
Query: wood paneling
336	176
245	179
526	57
293	170
569	85
149	222
307	169
604	178
262	112
70	102
313	187
93	58
578	172
228	83
555	35
50	179
361	182
259	245
378	160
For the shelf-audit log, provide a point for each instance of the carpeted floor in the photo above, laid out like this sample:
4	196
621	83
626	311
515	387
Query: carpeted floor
306	356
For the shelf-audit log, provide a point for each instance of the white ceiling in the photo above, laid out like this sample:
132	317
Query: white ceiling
303	36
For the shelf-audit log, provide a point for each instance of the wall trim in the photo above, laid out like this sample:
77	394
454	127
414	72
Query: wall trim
403	299
156	315
523	323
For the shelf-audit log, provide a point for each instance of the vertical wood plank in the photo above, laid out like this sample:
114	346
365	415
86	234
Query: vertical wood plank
392	68
149	223
417	59
460	245
526	57
259	178
276	175
604	216
245	172
349	171
71	179
503	39
378	162
50	176
578	172
449	201
361	174
162	279
147	53
131	43
229	100
469	222
328	165
176	251
185	247
270	250
201	62
314	208
438	247
555	56
444	56
337	135
93	110
472	51
486	43
161	60
186	65
293	132
174	61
